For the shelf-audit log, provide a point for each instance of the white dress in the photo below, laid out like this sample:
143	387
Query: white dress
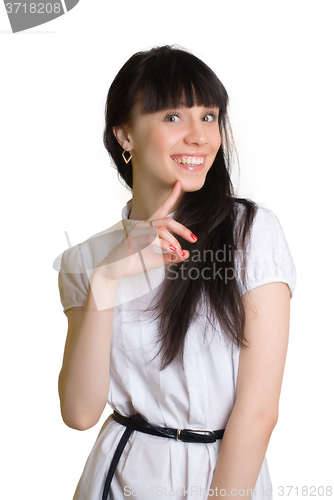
201	396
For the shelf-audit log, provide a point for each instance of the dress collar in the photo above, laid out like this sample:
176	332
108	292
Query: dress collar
129	223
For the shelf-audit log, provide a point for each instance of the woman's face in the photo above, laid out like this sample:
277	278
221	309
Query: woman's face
175	144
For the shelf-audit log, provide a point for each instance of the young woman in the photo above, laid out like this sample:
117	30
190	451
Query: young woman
178	316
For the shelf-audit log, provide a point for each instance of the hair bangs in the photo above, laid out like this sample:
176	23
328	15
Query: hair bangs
171	82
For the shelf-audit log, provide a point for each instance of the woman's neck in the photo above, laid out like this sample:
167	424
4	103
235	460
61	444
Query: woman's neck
142	208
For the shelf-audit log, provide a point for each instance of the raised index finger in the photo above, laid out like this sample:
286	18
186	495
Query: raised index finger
166	206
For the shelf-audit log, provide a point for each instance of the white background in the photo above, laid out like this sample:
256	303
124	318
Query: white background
275	59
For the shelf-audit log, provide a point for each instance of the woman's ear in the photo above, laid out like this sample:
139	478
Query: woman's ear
122	137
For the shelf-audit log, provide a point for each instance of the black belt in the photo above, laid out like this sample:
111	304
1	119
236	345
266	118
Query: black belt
138	423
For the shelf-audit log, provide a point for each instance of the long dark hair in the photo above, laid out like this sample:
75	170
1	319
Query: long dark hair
164	78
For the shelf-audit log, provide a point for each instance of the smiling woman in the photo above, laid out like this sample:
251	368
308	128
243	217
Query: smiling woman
178	316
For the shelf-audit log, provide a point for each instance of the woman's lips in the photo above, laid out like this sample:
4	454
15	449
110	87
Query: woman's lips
190	161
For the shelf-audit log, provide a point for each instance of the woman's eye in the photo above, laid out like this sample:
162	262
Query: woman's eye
172	118
209	118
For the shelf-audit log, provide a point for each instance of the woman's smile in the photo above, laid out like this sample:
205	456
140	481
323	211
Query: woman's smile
190	158
192	163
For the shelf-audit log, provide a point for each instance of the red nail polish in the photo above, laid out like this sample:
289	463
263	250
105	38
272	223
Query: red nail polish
193	236
172	248
182	252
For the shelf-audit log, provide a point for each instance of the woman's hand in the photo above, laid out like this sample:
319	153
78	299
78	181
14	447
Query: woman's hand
135	254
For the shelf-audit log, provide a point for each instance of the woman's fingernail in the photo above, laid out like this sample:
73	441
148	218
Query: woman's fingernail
182	252
172	248
193	236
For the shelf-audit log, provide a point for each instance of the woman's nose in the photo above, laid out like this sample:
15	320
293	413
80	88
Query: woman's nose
195	134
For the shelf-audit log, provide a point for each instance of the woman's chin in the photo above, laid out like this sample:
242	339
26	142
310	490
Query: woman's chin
193	184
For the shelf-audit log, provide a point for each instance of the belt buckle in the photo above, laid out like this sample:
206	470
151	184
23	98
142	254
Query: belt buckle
203	431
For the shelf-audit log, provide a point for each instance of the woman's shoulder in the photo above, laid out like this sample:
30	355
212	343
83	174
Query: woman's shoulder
268	253
77	263
260	216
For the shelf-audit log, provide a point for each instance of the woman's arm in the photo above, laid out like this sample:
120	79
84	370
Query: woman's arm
259	381
84	379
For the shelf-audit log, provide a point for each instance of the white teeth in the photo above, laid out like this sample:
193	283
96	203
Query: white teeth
190	160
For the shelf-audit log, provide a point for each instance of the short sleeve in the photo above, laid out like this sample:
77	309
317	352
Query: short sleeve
268	254
73	281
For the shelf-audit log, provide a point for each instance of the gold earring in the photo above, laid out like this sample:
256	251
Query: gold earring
124	158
